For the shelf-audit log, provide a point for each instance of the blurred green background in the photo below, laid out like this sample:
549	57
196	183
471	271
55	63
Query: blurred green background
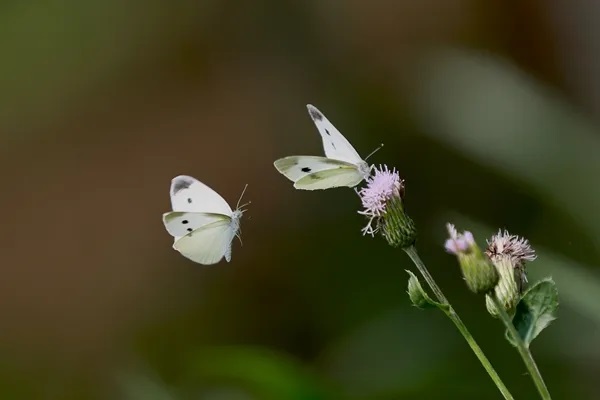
489	109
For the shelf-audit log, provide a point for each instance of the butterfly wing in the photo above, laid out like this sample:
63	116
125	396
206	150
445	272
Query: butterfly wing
208	244
334	143
180	223
189	194
330	178
297	167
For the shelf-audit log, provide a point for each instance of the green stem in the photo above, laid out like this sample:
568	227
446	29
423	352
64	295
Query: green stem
523	349
451	313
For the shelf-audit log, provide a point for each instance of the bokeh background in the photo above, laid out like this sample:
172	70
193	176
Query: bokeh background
489	110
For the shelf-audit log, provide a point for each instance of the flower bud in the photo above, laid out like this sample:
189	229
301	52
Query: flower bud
508	253
479	273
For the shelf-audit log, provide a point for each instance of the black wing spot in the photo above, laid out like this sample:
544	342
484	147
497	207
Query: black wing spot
315	114
306	169
185	221
333	144
181	184
327	132
189	229
189	201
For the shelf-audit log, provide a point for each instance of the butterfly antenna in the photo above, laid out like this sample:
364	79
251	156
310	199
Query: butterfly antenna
240	199
374	151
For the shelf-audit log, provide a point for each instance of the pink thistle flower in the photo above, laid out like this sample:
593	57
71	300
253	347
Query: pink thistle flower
382	187
516	248
509	254
458	242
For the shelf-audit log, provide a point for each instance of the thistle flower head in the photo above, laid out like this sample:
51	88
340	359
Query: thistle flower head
381	188
503	244
382	205
458	242
479	273
509	254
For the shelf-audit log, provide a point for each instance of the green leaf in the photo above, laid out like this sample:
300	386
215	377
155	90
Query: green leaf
419	297
536	310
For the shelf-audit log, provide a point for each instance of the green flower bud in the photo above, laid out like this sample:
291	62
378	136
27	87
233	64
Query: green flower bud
479	273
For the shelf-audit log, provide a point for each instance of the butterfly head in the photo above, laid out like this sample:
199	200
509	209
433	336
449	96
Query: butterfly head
237	214
364	169
235	223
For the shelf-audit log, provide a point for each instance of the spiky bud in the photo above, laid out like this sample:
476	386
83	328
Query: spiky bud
479	273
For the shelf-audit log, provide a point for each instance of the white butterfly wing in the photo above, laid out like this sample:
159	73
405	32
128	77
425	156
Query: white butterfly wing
180	223
334	143
189	194
331	178
297	167
208	244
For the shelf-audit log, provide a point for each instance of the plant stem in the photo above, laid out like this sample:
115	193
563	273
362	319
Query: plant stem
523	349
451	313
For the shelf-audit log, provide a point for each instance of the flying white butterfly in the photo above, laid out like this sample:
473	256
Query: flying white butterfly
342	165
201	222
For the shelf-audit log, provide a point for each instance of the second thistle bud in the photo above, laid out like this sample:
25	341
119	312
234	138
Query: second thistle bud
479	273
509	254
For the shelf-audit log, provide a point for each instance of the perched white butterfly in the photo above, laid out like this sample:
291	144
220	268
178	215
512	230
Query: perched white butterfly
201	222
342	166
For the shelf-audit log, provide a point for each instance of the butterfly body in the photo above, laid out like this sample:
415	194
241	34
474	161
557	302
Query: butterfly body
341	166
202	224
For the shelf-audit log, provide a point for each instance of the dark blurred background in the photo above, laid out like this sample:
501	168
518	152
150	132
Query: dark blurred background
489	110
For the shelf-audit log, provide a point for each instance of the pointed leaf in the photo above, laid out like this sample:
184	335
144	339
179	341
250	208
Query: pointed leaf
536	310
419	297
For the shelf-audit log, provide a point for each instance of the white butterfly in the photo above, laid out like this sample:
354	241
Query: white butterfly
342	166
201	222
